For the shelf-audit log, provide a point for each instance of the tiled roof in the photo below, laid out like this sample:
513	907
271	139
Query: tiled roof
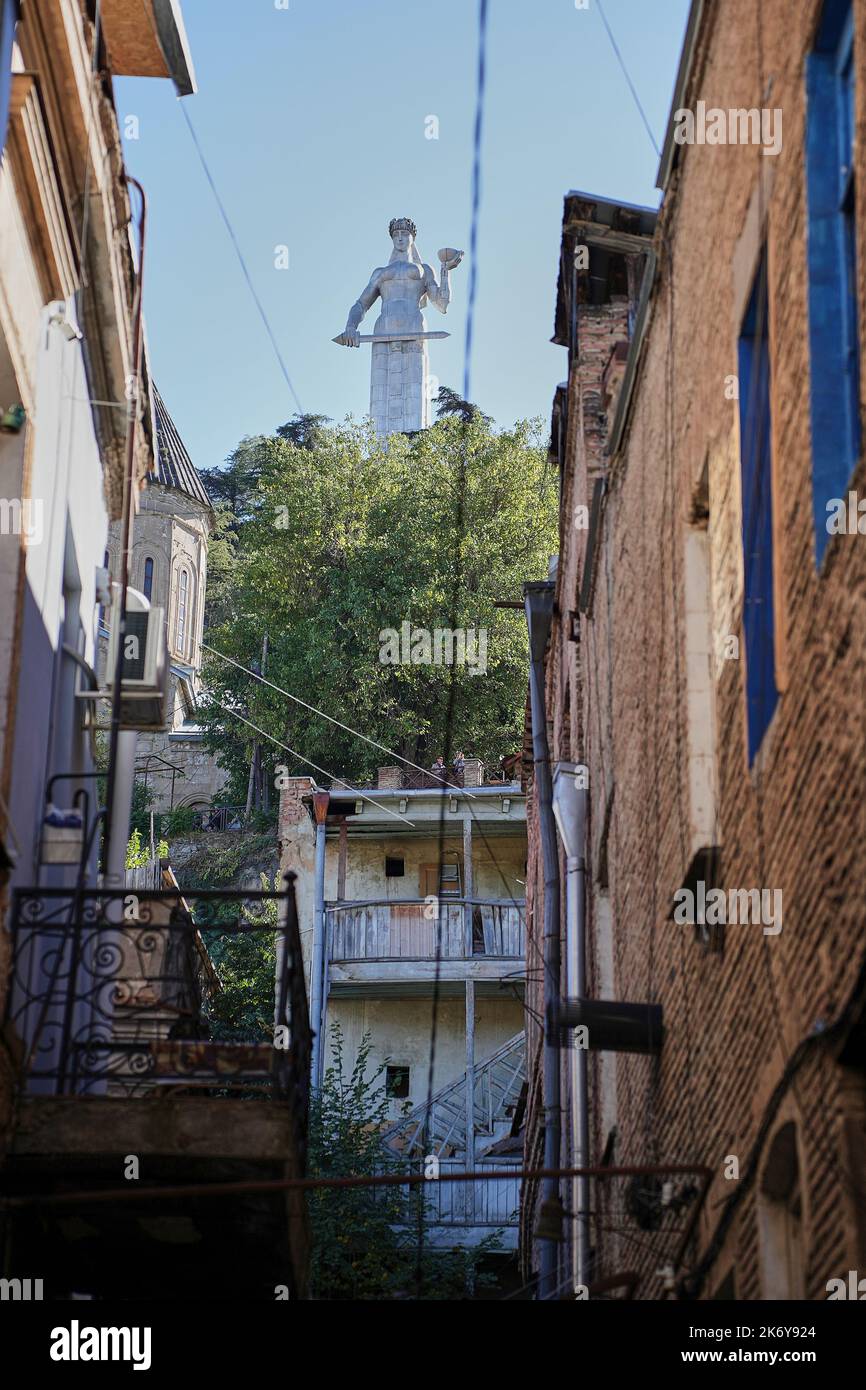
174	467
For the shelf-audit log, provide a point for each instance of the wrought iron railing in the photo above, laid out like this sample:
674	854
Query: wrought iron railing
462	927
220	818
114	994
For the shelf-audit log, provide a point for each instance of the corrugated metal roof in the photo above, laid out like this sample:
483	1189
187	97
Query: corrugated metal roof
174	467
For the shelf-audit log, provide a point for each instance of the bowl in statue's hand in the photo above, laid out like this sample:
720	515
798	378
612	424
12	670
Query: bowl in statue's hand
449	257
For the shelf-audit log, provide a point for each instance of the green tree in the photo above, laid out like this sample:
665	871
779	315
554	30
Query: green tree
343	537
365	1239
242	1010
138	852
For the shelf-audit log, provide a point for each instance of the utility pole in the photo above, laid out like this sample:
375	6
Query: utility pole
254	782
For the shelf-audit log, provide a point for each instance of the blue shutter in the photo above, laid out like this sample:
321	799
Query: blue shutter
755	464
9	10
834	342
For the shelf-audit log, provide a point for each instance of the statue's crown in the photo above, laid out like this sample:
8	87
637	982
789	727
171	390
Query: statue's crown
402	224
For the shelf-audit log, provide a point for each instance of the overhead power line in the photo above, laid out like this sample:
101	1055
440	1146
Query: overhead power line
324	771
240	255
627	76
320	712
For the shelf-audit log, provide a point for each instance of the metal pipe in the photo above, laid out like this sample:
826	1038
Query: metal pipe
538	599
569	805
113	822
317	954
575	899
117	826
409	1179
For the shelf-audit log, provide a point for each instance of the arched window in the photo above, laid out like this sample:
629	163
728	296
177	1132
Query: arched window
780	1212
182	600
148	577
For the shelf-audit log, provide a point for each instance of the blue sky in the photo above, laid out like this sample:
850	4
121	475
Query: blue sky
313	122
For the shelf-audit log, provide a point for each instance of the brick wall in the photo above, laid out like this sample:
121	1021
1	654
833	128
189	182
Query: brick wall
749	1044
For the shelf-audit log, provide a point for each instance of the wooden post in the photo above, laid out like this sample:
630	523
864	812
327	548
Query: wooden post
468	880
470	1095
254	784
341	862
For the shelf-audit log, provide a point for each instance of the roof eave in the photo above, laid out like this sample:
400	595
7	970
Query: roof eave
670	149
171	32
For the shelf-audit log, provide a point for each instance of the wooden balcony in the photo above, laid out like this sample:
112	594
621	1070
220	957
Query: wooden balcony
465	1213
399	944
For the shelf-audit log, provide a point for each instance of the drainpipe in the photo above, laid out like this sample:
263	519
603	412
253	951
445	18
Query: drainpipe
569	807
117	814
538	598
317	961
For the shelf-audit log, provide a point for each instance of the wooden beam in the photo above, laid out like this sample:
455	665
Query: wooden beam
341	862
468	879
470	1095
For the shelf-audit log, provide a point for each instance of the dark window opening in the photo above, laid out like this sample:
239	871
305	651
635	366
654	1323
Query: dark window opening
394	868
148	577
478	948
397	1083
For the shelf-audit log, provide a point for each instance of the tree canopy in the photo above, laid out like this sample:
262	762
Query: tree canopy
329	539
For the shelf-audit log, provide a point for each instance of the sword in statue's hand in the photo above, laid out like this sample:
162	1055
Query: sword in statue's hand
354	339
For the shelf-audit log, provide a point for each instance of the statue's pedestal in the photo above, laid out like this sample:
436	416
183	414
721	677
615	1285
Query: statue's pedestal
399	393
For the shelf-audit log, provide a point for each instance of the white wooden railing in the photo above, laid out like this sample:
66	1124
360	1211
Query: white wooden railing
464	928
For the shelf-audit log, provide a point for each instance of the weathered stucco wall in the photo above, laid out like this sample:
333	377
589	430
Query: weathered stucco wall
400	1032
499	870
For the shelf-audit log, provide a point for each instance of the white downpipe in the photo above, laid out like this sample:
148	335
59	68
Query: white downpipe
569	806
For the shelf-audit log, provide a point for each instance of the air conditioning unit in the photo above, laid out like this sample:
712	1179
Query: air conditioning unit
145	670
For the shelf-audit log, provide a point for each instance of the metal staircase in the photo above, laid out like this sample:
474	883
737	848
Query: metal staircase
440	1128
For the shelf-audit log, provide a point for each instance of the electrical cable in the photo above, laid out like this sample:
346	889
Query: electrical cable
626	74
240	255
313	710
459	528
295	754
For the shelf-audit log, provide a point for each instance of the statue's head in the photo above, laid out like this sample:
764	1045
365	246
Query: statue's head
402	231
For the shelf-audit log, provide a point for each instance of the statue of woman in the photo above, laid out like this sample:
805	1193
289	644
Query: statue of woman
399	398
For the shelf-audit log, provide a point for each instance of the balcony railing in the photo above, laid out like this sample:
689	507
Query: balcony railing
477	1203
455	1206
414	779
111	994
464	928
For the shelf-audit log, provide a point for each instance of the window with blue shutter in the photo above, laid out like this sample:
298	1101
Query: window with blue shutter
755	465
9	10
834	342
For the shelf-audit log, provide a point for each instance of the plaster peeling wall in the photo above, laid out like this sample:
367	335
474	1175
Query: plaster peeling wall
400	1030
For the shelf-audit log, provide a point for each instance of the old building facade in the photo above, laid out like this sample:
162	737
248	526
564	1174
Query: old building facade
169	567
705	666
431	976
68	371
103	993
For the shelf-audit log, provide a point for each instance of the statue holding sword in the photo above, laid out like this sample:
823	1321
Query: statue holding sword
399	394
